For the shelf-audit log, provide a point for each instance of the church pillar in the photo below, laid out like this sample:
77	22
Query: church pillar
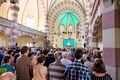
94	42
111	37
13	17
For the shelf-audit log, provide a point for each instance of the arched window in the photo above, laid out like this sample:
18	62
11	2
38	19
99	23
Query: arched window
30	21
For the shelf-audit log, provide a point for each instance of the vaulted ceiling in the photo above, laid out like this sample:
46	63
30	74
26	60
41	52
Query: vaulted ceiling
33	8
54	9
49	4
46	12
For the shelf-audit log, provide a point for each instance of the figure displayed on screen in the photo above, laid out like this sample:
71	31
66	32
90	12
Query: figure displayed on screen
68	43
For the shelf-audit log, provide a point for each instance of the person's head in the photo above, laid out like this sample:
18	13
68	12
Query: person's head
78	53
63	49
95	52
98	48
88	58
7	59
65	54
98	55
45	52
10	52
30	54
58	56
41	59
25	50
38	53
16	56
73	49
99	66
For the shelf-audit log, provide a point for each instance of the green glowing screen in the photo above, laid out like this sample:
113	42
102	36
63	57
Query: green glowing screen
69	42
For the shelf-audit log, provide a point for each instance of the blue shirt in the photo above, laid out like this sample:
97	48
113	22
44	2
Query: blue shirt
6	68
77	71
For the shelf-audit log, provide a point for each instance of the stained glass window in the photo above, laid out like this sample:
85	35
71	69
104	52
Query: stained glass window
30	21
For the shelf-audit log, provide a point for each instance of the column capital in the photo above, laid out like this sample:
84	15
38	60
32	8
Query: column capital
14	1
108	3
14	7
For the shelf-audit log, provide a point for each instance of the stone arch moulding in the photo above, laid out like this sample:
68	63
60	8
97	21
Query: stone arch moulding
6	31
98	20
64	6
25	35
40	38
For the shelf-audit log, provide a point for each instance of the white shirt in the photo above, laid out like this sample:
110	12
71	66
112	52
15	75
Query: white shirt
65	61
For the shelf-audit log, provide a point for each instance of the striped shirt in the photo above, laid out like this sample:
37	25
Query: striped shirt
106	77
56	71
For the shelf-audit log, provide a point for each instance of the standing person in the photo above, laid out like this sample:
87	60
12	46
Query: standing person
76	70
99	71
47	62
51	56
40	71
10	53
24	66
56	69
1	56
71	54
89	63
65	61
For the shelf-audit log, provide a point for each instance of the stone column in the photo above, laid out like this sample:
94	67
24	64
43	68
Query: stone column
34	39
90	36
111	37
94	41
47	31
14	16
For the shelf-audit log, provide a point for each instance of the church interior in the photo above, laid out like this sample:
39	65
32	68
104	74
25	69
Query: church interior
64	23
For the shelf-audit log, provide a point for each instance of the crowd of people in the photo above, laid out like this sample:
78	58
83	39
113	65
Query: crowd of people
52	64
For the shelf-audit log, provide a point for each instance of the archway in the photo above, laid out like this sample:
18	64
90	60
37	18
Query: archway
66	29
4	40
64	23
39	42
97	33
25	41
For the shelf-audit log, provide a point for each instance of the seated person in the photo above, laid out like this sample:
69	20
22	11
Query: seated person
6	67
